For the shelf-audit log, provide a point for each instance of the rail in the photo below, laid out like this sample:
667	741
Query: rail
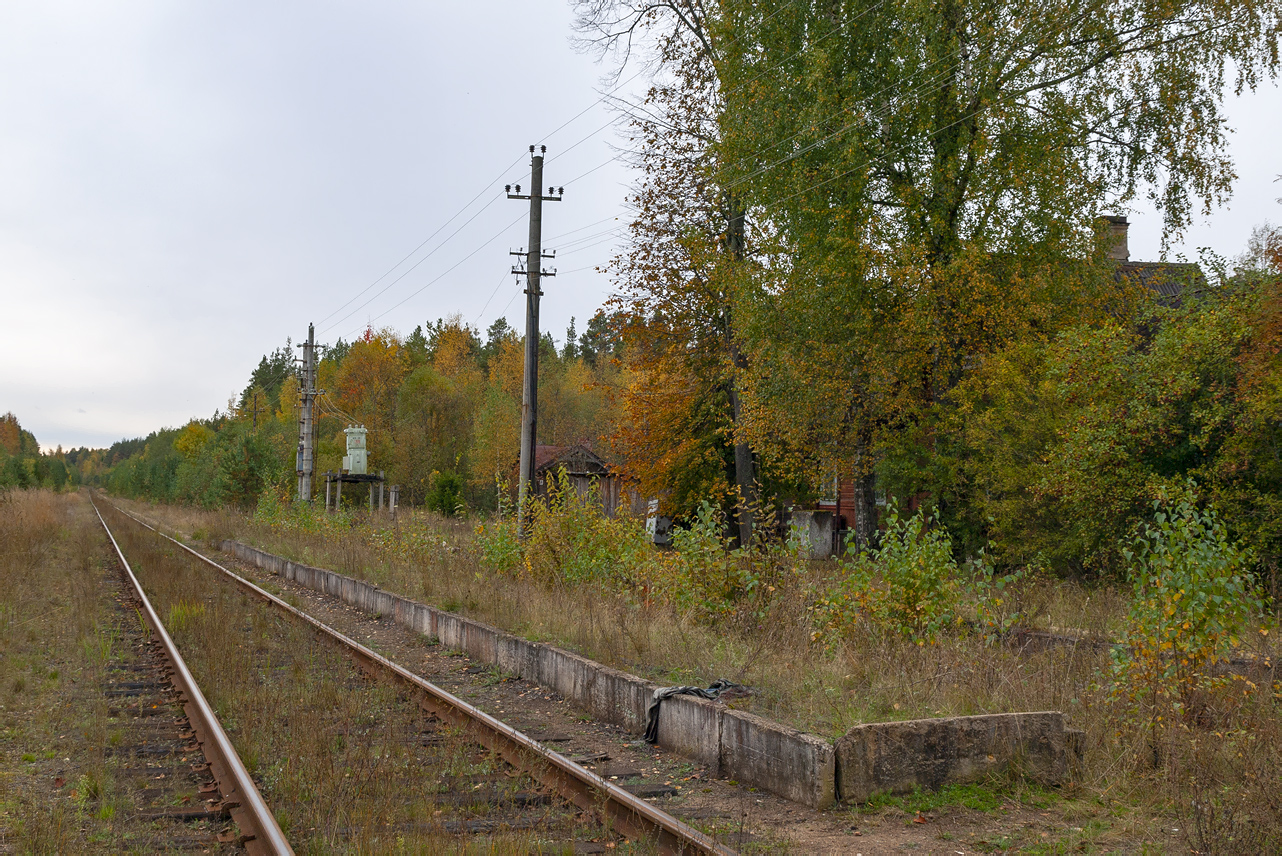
629	814
260	833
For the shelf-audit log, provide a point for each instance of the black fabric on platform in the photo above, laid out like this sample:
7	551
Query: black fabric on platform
714	690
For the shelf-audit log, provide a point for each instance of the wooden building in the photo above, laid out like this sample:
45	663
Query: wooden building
585	469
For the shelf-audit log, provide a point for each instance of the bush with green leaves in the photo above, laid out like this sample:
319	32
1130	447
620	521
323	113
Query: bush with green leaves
995	597
1193	600
571	541
446	495
909	585
712	578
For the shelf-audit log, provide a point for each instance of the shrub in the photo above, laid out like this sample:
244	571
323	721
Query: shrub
713	580
995	597
572	541
446	495
1193	598
907	586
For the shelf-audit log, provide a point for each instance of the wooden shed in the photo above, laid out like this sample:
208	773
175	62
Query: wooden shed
584	469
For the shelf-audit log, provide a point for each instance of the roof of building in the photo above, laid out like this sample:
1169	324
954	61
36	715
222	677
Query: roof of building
1168	279
577	460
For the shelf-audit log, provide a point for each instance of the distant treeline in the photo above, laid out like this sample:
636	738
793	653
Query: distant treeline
1047	451
22	465
442	405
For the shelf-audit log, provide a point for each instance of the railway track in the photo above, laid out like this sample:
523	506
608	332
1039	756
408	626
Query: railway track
238	794
542	776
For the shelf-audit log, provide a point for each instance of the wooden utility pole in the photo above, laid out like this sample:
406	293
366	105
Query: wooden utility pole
530	390
306	462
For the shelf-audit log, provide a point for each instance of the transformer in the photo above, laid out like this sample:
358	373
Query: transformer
355	461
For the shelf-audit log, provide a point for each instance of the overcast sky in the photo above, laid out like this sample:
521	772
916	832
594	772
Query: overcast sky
184	185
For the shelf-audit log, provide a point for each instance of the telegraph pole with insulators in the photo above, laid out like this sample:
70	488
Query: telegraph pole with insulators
533	272
306	462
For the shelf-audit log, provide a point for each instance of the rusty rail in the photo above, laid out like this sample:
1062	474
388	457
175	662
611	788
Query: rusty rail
260	833
630	815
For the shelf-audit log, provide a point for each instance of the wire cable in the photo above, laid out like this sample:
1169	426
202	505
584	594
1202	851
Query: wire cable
449	270
456	215
414	266
491	297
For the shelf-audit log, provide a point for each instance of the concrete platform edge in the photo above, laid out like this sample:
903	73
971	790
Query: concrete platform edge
752	750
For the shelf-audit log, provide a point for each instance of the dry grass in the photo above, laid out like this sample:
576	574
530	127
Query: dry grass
347	765
827	692
53	621
871	677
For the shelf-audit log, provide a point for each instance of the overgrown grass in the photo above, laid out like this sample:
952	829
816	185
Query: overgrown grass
344	762
707	612
56	641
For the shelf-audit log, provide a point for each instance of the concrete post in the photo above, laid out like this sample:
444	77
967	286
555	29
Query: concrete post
533	272
306	422
530	388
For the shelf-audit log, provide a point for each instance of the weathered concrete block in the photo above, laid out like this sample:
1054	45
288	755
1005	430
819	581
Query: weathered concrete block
753	750
608	694
691	727
896	756
815	530
779	759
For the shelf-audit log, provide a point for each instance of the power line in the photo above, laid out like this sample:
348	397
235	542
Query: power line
925	88
414	294
414	266
491	297
456	215
581	228
610	236
604	97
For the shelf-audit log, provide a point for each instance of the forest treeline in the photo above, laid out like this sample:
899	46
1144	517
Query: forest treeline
22	465
1050	448
442	406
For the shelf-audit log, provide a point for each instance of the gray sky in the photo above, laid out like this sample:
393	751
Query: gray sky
183	185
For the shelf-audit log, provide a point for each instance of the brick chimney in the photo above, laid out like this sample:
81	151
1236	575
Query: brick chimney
1118	249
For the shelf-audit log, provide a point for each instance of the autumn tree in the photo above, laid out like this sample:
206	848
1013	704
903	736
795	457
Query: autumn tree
679	271
435	407
922	182
497	420
364	387
928	179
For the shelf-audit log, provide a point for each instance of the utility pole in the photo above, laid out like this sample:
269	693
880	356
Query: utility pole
530	390
256	408
744	466
306	422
